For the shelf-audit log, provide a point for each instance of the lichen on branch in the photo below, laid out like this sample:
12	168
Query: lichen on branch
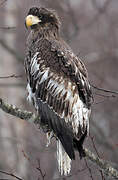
15	111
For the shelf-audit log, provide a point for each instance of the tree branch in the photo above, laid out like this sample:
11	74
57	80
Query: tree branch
104	90
102	164
7	28
13	110
10	174
31	117
11	76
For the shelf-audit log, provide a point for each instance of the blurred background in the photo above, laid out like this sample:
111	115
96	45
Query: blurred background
91	29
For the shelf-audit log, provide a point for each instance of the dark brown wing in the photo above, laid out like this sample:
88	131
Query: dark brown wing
75	69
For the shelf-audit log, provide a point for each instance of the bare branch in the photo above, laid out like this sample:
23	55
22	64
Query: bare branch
40	170
10	174
11	76
13	110
106	96
7	28
102	164
104	90
34	166
89	169
29	116
94	146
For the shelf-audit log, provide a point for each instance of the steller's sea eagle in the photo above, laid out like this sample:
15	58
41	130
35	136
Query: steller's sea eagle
58	85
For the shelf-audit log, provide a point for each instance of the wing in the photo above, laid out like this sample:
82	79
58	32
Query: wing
60	91
76	71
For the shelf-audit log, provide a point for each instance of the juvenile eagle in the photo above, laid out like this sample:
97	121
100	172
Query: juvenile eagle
58	85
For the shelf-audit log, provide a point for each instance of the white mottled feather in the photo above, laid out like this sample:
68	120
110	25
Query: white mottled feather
30	94
44	76
34	64
64	162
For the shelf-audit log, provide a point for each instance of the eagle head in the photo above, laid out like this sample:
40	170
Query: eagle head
42	18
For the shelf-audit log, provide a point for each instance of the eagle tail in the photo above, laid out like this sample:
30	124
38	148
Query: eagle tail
64	161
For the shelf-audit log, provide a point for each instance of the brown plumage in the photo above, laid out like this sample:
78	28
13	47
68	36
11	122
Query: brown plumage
58	85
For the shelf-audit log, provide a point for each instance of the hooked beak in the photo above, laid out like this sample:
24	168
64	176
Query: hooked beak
31	20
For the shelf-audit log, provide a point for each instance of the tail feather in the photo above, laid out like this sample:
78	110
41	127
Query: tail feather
67	143
64	161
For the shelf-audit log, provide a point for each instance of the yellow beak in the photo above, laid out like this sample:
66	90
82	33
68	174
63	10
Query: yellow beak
31	20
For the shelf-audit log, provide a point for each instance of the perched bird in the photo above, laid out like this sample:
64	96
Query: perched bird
58	85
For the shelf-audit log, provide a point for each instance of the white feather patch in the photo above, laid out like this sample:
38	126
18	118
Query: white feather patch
44	76
80	115
64	162
30	94
34	64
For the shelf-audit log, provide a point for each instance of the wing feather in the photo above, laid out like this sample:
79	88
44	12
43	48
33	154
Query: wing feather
74	68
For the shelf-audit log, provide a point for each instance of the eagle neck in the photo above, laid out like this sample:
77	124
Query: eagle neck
46	33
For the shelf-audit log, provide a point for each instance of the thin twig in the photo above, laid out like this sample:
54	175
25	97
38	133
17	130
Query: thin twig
11	76
40	170
89	169
7	28
25	155
104	90
106	96
34	166
94	146
99	102
102	175
11	174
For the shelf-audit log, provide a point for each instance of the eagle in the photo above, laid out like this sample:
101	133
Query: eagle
58	85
